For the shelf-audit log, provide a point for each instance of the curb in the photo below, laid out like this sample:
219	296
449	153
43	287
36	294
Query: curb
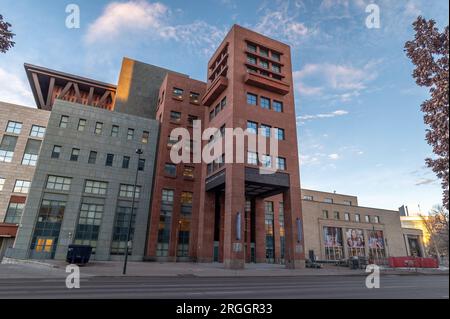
15	261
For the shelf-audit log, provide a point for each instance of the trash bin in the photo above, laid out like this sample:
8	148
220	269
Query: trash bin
79	254
354	262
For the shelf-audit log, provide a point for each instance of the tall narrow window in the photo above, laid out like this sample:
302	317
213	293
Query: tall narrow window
88	227
279	133
81	125
125	162
56	152
14	213
165	220
115	131
269	230
145	136
31	153
130	134
252	127
265	103
265	130
92	157
98	128
109	159
63	121
7	147
2	183
75	154
281	163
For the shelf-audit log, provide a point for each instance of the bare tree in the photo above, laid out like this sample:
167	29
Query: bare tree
436	224
429	52
6	36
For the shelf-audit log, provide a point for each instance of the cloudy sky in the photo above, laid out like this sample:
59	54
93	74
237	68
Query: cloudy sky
359	126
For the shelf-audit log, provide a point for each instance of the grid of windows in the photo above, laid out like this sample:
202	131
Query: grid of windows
127	191
64	121
14	213
96	187
59	183
29	159
120	231
37	131
14	127
89	225
252	158
22	186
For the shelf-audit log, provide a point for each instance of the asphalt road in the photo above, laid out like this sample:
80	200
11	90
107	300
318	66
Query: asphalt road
306	287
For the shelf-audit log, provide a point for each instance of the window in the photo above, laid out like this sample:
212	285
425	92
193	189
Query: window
276	68
98	128
75	154
175	116
357	218
145	136
109	159
177	93
211	115
58	183
251	59
92	157
7	147
269	231
22	186
336	215
347	216
95	187
194	98
325	214
279	133
127	191
223	103
277	106
31	153
251	47
265	103
264	64
367	219
56	151
170	169
275	56
376	219
172	140
328	200
88	227
130	134
115	131
265	130
264	52
81	125
126	162
252	127
252	158
186	203
37	131
14	127
348	202
188	172
266	160
217	109
14	213
191	119
141	164
167	195
308	197
120	234
281	163
63	121
2	183
165	220
252	99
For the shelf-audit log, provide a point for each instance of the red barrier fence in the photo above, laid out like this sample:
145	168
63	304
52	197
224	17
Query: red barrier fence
413	262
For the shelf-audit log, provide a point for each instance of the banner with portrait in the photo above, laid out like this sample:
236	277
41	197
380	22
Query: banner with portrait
355	238
332	236
376	239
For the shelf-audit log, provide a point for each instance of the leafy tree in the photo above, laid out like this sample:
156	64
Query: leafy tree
429	52
6	36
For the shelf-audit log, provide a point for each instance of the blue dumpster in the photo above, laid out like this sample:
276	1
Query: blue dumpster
79	254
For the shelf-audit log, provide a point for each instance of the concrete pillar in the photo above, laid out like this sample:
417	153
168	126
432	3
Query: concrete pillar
260	230
295	254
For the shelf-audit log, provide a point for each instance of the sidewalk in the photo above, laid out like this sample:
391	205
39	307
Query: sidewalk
158	269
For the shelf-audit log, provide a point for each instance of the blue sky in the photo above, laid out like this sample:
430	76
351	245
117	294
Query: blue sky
359	125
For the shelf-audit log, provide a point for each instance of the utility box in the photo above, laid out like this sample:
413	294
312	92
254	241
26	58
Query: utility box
79	254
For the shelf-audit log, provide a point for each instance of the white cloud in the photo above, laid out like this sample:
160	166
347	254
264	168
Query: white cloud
336	113
121	17
144	20
343	82
14	90
334	156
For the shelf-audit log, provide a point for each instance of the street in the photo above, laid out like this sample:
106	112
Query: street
191	287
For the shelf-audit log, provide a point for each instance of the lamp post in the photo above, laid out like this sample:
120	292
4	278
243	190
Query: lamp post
139	152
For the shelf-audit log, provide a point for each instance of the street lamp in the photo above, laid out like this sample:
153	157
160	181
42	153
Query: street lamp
139	152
